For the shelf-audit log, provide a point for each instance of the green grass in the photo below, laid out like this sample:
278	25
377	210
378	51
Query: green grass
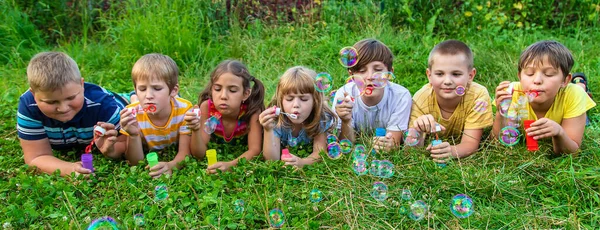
511	187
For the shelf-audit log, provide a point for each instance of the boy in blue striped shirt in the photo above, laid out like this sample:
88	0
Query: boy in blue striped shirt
60	111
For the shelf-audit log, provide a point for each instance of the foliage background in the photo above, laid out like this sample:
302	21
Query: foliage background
512	188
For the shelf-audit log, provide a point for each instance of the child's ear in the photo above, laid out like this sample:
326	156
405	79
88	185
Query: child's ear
174	91
82	82
567	80
247	94
349	72
472	74
428	73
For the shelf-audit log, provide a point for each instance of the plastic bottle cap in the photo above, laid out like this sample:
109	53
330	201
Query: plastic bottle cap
99	131
380	132
277	111
436	142
285	153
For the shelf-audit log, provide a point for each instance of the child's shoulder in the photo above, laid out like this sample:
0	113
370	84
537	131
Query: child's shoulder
478	89
182	103
397	88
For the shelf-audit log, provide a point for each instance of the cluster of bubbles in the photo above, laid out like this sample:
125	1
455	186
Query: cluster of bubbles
383	168
276	218
513	112
211	124
335	149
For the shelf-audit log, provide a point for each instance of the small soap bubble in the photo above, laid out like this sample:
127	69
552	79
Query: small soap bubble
332	96
460	90
379	191
532	95
331	138
349	80
462	206
375	168
276	218
402	210
239	206
411	137
406	194
359	166
521	100
418	210
334	151
346	146
373	153
292	142
481	106
106	222
323	82
380	79
348	57
359	81
509	136
360	152
315	195
211	124
386	169
160	192
504	105
138	219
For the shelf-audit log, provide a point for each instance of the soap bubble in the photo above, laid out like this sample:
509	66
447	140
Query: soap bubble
106	222
160	192
323	82
481	106
292	142
386	169
418	210
380	79
276	218
531	95
503	108
138	219
509	136
346	146
462	206
348	57
349	80
359	81
332	96
359	166
375	168
460	90
211	124
331	138
411	137
360	152
315	195
334	151
406	194
402	210
239	206
379	191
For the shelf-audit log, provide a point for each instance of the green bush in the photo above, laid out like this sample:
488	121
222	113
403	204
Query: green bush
18	36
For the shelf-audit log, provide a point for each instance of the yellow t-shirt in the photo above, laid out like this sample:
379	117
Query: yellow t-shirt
571	101
473	112
157	137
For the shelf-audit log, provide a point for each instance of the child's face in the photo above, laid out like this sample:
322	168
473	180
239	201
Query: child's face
447	73
155	92
366	73
62	104
299	104
544	78
228	93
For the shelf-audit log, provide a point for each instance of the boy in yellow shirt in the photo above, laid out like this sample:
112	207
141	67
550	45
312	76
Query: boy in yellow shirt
156	120
557	106
451	104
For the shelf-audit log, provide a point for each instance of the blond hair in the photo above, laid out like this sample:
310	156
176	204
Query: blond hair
155	66
370	50
558	55
451	47
301	80
49	71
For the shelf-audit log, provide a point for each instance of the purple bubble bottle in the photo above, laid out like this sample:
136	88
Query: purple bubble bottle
87	161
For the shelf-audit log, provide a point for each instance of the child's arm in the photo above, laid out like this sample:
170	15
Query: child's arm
501	95
271	143
199	138
344	112
134	152
319	144
468	145
38	153
566	138
167	167
255	137
110	144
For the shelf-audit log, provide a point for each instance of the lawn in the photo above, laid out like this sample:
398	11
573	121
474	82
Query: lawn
510	186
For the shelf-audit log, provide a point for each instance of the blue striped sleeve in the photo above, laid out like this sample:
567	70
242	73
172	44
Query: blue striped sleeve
29	126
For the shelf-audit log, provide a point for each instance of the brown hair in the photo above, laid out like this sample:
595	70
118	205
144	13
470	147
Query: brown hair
558	55
301	80
49	71
155	66
451	47
370	50
255	102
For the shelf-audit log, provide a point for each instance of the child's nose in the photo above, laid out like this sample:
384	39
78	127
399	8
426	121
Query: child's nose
224	94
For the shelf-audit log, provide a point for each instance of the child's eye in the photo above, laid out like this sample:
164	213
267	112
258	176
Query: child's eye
216	89
158	88
71	98
51	102
457	74
303	99
233	90
142	89
289	98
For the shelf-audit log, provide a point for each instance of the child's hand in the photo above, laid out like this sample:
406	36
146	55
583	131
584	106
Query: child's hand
267	118
106	142
440	153
383	143
80	170
159	169
426	124
293	161
219	166
543	128
344	109
501	93
129	123
192	120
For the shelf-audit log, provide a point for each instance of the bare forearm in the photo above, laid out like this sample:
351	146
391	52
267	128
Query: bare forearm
49	164
563	144
270	146
197	147
347	131
463	150
135	151
497	123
